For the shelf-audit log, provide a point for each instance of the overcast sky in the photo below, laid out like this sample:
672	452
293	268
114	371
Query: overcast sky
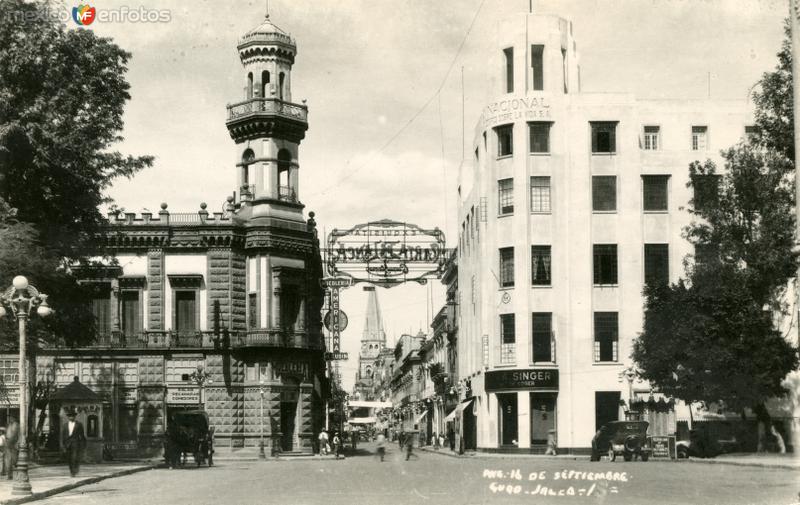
367	67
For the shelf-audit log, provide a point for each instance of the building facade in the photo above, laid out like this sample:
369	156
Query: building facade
573	202
216	311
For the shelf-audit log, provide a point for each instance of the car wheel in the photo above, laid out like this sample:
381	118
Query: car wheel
683	452
594	457
645	456
627	456
612	456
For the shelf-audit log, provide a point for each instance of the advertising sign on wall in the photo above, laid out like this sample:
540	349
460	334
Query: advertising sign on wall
183	395
527	379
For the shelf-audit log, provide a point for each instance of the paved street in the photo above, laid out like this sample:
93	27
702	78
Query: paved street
431	478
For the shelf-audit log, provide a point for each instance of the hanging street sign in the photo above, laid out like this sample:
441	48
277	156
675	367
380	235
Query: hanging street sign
336	356
386	253
336	282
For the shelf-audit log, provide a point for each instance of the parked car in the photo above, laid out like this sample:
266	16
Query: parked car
628	438
702	445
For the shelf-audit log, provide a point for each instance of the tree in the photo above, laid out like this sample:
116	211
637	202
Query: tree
62	94
774	102
714	337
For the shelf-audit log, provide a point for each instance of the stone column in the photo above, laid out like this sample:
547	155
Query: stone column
276	301
115	308
155	286
294	181
300	322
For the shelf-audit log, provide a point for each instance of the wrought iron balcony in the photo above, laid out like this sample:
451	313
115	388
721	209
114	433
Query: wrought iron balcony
267	107
287	194
274	338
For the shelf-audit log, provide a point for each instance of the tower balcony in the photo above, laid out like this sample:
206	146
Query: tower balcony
267	107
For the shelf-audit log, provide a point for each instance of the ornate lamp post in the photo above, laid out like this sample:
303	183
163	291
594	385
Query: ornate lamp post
22	298
630	375
261	454
201	378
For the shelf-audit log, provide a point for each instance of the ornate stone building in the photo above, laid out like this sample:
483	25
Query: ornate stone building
215	310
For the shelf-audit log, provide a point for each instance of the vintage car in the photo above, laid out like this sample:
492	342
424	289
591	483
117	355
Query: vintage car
188	433
628	438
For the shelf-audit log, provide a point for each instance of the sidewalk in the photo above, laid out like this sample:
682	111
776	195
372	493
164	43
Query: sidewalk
53	479
781	461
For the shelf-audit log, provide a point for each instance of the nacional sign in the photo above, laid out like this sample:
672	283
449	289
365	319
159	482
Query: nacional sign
531	379
386	253
518	108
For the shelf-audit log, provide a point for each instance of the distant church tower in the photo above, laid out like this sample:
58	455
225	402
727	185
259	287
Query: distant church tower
373	340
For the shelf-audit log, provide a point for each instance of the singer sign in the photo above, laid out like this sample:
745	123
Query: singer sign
386	253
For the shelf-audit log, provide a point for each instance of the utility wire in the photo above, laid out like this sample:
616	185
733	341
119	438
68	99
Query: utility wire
416	114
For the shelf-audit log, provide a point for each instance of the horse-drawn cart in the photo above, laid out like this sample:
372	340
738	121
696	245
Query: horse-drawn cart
188	433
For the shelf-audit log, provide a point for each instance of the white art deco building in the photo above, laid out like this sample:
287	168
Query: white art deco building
572	203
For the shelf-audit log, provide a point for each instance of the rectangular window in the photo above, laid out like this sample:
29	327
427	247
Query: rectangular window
564	71
699	134
507	267
651	134
101	308
540	265
656	264
605	264
706	190
508	342
604	137
750	132
252	311
537	65
505	196
540	194
542	336
606	336
131	318
505	140
185	311
509	57
604	193
540	137
654	192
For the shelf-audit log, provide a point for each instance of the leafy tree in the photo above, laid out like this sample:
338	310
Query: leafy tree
714	337
774	102
62	94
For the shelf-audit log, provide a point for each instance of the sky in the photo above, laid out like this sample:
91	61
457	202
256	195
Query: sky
383	84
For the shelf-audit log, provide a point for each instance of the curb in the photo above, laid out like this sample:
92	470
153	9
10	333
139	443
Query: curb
66	487
753	464
483	455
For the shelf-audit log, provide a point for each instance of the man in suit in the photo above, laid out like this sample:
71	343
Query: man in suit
72	442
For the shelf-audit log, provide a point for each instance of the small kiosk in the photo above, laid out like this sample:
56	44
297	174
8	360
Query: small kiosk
89	406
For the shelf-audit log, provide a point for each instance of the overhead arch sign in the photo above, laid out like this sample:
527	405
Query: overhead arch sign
386	253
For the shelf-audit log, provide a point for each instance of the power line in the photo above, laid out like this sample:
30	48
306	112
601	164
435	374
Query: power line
416	114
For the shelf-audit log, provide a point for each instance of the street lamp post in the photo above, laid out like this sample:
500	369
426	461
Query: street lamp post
261	453
22	298
629	374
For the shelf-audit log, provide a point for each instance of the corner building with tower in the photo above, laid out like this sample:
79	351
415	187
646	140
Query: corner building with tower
217	311
573	201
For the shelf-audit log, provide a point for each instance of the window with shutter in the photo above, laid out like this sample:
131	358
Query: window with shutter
537	66
656	264
606	336
605	264
131	313
185	311
542	336
655	192
604	137
604	193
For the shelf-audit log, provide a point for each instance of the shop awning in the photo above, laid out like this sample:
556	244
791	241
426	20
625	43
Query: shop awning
419	417
459	408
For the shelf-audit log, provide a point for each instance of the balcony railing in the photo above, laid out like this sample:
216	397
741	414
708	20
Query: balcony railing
267	107
247	192
287	194
152	339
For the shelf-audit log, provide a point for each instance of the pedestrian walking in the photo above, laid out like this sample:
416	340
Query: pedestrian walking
435	441
12	448
337	444
381	446
409	445
73	439
442	440
323	443
3	449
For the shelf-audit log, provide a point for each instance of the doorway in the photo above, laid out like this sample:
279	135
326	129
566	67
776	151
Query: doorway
288	416
543	416
606	407
507	404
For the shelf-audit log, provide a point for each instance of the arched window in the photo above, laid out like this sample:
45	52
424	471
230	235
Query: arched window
92	426
247	159
284	162
281	79
265	84
249	89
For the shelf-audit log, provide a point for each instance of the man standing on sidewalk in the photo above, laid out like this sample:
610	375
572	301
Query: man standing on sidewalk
12	448
72	441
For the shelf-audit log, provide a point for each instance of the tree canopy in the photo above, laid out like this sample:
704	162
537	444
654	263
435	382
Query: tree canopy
62	95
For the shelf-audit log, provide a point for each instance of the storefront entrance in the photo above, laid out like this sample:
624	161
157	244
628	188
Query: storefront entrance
606	407
543	416
507	404
288	416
